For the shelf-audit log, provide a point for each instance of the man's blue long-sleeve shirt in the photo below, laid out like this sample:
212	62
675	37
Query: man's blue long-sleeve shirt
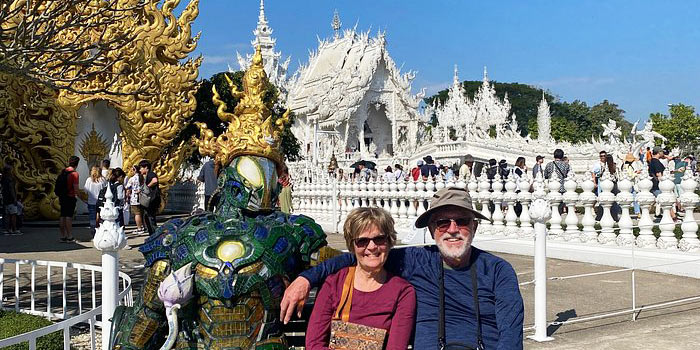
500	302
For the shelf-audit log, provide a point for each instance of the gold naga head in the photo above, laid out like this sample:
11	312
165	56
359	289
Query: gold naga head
251	130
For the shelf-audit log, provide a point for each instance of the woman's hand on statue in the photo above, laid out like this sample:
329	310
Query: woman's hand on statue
294	298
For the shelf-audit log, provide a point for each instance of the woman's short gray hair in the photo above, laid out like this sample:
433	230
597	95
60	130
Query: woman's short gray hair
361	219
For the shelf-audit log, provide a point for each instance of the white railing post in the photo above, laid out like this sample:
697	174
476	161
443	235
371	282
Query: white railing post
540	212
555	197
109	238
525	197
667	199
606	199
334	204
625	199
587	198
645	199
570	199
689	241
510	198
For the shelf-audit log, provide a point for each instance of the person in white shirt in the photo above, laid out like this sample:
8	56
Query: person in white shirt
389	175
105	168
93	185
208	176
398	172
465	171
133	187
598	169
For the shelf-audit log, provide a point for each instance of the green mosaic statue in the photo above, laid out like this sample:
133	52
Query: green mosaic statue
215	280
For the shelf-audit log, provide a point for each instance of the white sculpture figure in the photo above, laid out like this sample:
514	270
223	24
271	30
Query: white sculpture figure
612	132
648	136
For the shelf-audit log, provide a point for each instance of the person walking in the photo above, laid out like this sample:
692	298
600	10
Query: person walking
538	168
105	168
133	187
415	172
67	189
560	166
116	186
598	169
464	295
429	169
93	185
398	172
285	196
151	189
632	168
208	176
465	170
9	200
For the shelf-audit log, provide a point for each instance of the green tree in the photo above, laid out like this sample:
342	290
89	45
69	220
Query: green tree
681	127
206	113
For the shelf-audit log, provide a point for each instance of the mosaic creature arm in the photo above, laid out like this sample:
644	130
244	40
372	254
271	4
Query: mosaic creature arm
310	237
138	328
144	325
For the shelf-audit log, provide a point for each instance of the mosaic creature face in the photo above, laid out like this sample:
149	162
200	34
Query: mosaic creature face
250	182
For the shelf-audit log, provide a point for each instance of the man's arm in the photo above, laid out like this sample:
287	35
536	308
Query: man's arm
509	308
298	291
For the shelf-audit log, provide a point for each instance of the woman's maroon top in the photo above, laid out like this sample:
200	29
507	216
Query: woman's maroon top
391	307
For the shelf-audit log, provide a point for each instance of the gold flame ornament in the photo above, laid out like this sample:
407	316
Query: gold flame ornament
251	129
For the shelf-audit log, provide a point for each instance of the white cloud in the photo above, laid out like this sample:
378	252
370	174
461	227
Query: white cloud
213	59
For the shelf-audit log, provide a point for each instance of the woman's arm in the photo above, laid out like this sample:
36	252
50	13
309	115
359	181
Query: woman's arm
403	321
318	332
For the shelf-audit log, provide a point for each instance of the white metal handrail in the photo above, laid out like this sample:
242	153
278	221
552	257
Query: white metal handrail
70	317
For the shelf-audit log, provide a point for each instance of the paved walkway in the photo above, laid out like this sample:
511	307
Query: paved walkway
668	328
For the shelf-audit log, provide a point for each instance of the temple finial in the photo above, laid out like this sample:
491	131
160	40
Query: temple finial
335	24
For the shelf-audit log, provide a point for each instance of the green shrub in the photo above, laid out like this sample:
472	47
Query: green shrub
14	323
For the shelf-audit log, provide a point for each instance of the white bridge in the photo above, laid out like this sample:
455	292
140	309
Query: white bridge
578	236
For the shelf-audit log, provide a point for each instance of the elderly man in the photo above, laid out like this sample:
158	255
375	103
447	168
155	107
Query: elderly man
445	278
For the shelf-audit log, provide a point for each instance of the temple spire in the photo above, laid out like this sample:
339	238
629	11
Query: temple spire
261	16
335	24
455	79
486	74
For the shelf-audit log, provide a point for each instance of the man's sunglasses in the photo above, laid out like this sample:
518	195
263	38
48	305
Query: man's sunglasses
363	242
444	224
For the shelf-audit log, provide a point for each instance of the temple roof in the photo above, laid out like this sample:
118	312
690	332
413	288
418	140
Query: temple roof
331	86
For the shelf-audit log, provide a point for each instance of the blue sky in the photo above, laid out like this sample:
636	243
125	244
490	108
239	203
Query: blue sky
639	54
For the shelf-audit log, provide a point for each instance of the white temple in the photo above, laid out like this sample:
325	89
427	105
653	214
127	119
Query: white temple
351	98
351	101
275	68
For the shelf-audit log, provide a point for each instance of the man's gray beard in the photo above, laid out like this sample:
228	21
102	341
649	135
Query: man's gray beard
452	253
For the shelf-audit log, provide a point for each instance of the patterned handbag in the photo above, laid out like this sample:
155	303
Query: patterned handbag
352	336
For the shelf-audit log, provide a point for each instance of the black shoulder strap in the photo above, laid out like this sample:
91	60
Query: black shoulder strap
442	341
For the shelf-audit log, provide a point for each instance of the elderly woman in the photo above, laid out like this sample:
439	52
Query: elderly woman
366	294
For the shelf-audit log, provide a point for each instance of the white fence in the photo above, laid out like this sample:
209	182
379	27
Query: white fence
328	200
55	290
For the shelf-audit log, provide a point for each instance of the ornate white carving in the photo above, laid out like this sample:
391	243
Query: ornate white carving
544	121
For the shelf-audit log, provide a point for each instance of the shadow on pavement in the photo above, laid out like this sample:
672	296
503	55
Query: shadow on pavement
561	317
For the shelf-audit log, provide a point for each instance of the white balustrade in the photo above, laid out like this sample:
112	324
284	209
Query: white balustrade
329	200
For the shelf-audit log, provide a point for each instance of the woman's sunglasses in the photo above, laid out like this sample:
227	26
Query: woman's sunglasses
363	242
